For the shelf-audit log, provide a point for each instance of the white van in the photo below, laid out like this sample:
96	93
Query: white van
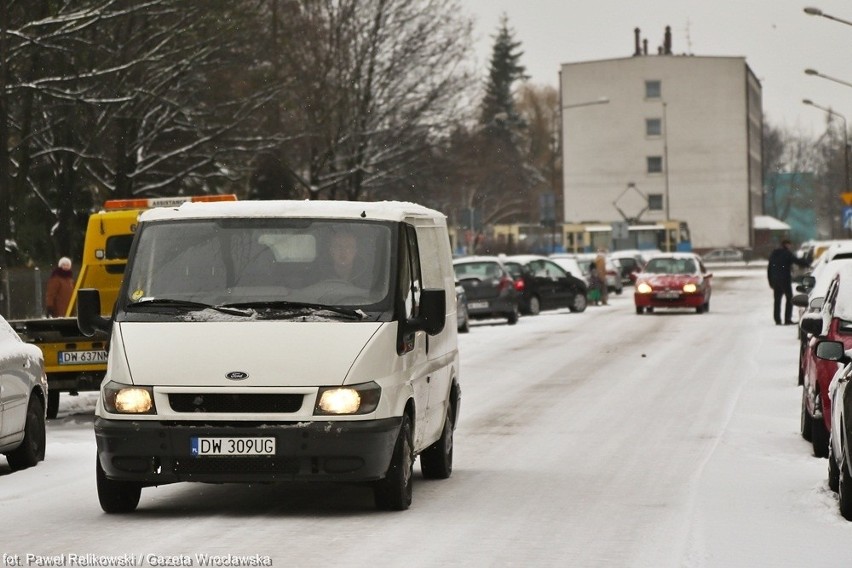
279	340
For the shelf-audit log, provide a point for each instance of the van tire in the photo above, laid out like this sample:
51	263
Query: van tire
436	462
116	496
31	450
393	493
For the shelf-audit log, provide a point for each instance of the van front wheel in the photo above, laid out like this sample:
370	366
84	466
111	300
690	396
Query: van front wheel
393	493
436	461
116	496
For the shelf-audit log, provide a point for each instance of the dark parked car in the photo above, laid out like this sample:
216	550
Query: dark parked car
544	285
489	288
462	318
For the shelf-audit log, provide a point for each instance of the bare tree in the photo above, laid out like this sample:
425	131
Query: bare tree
373	82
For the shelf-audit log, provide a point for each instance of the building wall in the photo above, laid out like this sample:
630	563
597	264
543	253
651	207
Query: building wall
713	160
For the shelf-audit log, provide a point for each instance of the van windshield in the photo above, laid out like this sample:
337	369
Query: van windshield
262	262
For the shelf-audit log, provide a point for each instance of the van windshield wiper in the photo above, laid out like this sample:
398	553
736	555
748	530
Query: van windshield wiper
186	305
286	306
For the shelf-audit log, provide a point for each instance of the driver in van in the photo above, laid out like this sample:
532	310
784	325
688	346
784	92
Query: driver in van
343	250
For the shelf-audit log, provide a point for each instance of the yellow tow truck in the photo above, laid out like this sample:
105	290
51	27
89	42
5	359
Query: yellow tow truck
73	362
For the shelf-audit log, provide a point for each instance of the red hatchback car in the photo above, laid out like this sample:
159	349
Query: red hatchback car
673	280
833	321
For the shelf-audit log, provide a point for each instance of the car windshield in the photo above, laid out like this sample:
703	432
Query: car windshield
258	261
671	266
477	270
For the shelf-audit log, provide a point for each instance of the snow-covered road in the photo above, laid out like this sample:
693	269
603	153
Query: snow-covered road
596	439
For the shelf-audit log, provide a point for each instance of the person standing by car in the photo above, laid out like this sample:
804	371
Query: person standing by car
600	265
781	261
60	285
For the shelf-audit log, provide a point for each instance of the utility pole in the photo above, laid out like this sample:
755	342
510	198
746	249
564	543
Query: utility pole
5	197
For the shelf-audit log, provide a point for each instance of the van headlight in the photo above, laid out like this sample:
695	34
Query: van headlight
127	399
355	399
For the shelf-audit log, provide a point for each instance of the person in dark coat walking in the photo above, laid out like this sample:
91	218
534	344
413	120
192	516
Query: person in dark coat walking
781	260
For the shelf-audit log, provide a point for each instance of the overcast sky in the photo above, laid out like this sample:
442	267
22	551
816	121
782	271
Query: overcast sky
778	40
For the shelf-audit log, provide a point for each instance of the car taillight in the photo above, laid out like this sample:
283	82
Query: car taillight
505	282
519	284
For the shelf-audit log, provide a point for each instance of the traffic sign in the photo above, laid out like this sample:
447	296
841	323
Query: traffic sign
847	217
846	197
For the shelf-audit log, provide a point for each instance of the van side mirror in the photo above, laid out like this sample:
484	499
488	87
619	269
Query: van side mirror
800	300
433	312
89	318
808	282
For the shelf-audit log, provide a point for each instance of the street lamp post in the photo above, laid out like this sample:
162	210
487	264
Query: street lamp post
818	74
666	158
811	11
564	107
845	140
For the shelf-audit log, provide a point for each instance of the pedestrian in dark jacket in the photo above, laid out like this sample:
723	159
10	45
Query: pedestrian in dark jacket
781	261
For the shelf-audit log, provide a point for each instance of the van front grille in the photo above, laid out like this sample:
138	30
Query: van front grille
235	465
235	402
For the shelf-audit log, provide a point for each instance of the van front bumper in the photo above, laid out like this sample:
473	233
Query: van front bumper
157	453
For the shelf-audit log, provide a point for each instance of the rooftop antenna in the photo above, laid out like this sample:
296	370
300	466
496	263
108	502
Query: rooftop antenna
688	38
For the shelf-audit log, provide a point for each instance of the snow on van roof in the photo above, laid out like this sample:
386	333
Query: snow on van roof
376	210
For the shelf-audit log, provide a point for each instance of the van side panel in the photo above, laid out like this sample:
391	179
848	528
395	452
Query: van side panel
436	264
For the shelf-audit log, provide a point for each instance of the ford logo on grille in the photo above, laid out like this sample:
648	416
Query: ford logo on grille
236	376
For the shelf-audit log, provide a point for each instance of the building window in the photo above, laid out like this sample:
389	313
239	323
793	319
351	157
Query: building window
655	201
653	127
653	90
655	164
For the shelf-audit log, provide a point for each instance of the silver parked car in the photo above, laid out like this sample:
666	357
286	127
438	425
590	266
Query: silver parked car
23	392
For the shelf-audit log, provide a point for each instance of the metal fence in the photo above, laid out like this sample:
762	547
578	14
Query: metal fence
22	296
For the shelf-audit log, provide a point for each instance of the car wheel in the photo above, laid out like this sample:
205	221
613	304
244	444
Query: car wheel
805	419
52	403
465	326
116	496
844	492
707	306
699	310
393	493
436	461
639	310
819	437
833	470
31	450
535	306
512	318
578	303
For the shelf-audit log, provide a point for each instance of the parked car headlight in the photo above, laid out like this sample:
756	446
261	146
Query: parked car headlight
355	399
126	399
690	288
644	288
